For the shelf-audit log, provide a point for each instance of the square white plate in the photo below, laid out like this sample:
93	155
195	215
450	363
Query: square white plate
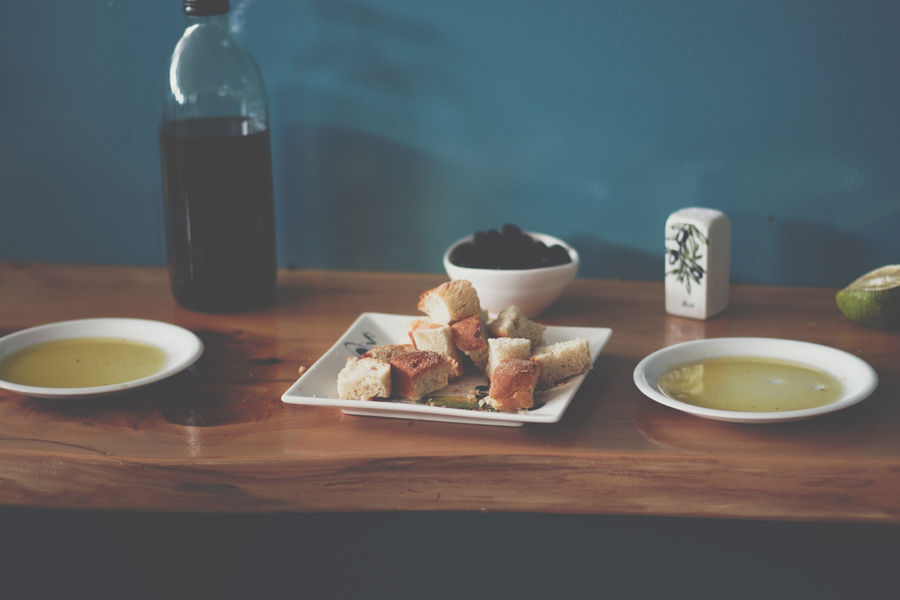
318	386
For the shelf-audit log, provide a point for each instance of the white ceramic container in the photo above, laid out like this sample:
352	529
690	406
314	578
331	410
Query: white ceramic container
698	259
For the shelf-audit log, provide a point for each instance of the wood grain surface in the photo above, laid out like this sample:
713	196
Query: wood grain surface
217	438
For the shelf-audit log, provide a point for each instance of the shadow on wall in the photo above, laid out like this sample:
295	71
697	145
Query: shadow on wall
780	236
605	260
763	249
814	254
351	197
359	194
798	252
378	144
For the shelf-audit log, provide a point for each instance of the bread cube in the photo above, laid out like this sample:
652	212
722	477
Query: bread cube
388	351
417	324
416	374
560	361
450	302
512	385
510	322
364	379
470	337
439	339
500	349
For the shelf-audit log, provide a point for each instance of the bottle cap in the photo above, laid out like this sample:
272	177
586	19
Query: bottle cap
206	8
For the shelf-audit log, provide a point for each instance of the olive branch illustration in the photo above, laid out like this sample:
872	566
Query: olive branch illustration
685	258
360	349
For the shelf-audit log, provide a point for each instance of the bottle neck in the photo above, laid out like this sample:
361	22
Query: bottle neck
212	21
211	74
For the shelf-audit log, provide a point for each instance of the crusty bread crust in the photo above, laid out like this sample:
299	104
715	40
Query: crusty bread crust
469	333
512	385
415	374
439	339
470	336
388	351
500	349
450	302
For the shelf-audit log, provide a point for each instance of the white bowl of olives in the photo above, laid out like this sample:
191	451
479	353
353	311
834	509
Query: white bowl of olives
510	266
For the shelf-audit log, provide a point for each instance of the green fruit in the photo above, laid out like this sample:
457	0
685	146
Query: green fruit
873	299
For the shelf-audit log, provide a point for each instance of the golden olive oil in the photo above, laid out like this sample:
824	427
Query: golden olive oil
750	384
82	362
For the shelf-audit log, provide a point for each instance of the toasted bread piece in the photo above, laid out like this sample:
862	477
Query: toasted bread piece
450	302
470	337
512	385
560	361
510	322
500	349
417	324
415	374
439	339
388	351
364	379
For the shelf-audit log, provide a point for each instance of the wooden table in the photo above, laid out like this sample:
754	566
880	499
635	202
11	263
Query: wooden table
217	438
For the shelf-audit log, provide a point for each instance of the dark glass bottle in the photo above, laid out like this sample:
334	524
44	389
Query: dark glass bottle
217	168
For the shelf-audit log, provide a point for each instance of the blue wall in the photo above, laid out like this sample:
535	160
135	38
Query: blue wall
400	125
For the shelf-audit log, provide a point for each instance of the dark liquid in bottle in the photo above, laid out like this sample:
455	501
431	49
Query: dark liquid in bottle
220	223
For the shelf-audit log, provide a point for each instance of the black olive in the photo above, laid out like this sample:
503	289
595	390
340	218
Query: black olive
559	255
509	248
463	255
511	231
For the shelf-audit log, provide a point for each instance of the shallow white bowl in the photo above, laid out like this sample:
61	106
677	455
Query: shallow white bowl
857	376
532	290
182	349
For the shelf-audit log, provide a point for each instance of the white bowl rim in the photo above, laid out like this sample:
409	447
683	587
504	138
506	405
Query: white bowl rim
809	353
548	239
182	348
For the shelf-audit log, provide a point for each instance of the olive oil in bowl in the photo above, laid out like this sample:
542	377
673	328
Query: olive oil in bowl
82	363
750	384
